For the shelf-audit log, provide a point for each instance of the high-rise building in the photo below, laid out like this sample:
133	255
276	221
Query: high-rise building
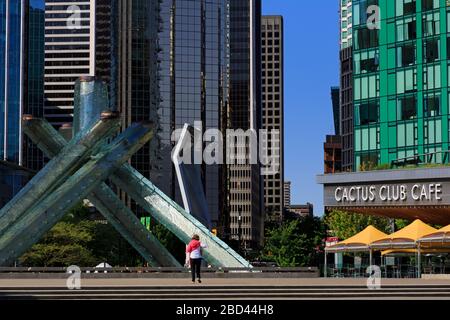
12	60
401	99
245	188
33	157
346	85
287	194
21	71
346	23
172	70
332	158
335	99
69	54
21	89
333	143
273	108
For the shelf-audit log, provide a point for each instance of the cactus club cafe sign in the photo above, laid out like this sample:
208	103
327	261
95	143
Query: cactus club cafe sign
428	193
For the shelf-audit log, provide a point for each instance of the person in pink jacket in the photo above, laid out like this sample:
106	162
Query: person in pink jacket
194	251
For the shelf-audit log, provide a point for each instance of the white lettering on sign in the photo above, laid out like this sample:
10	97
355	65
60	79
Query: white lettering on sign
389	193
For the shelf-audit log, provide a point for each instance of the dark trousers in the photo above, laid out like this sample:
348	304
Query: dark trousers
196	265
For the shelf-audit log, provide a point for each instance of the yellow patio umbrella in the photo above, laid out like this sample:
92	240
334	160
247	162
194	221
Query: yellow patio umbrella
405	238
358	243
440	238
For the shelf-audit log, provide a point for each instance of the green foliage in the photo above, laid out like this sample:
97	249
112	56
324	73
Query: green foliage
401	223
170	241
345	225
64	245
76	240
295	243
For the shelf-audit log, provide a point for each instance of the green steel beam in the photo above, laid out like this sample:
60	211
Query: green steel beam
105	200
44	215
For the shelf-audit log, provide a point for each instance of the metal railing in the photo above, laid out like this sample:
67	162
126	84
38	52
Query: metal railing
387	271
422	159
312	270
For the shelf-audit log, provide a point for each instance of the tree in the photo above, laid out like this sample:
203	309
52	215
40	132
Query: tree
345	225
78	240
170	241
64	245
295	243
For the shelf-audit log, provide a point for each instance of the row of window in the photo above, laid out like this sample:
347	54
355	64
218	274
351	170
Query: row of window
406	109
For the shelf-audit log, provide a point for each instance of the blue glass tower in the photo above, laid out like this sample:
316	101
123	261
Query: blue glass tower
11	78
21	71
21	89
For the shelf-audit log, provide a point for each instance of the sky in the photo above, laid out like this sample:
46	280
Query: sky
311	53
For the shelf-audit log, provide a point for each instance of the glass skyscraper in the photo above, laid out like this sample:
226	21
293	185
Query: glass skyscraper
172	71
246	189
21	90
12	16
21	74
401	77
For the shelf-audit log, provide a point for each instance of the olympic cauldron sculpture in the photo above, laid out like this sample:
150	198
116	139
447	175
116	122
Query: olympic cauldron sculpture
78	170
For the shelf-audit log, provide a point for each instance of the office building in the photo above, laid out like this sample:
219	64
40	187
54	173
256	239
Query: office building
69	54
273	109
245	188
287	194
336	103
21	76
346	85
12	179
332	154
401	84
297	211
333	143
401	114
33	158
173	77
21	89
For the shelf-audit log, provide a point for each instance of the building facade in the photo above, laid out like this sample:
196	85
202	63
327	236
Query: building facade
172	70
21	77
69	54
333	154
21	90
245	183
401	100
33	158
297	211
346	85
273	108
287	193
12	78
401	113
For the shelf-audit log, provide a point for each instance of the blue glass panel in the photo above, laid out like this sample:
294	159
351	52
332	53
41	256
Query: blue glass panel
14	56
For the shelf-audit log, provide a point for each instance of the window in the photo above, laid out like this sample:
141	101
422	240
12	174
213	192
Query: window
406	55
431	24
367	113
405	7
431	50
432	105
407	29
366	38
430	4
406	108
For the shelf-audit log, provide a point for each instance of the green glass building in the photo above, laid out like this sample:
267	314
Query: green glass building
400	81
